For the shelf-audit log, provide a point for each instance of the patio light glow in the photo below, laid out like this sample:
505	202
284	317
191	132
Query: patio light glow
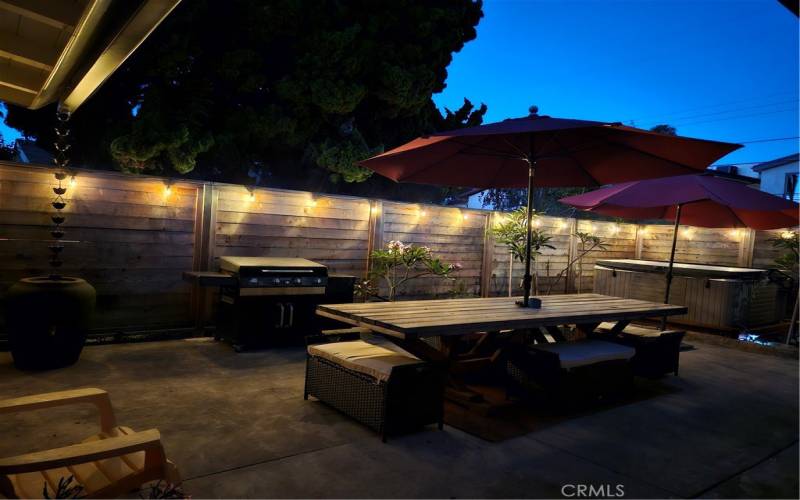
312	203
72	182
687	232
614	229
251	196
787	235
167	190
422	213
373	209
537	222
465	216
561	224
734	234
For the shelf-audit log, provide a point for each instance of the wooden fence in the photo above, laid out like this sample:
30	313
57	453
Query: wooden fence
132	239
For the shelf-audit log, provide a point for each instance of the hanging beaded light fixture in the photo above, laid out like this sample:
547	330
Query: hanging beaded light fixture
61	161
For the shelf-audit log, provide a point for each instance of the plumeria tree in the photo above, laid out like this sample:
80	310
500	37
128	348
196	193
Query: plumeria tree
399	263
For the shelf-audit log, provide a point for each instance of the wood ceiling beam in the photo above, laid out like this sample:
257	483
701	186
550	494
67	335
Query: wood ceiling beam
23	78
27	52
18	97
59	14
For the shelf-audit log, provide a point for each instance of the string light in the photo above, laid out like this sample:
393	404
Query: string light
734	234
312	203
422	213
167	190
687	232
251	196
537	222
787	235
614	229
72	182
373	209
465	216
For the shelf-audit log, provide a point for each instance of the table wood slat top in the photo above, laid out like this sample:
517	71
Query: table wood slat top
418	318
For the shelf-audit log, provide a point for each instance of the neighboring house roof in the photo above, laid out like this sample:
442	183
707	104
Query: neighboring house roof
736	172
28	152
778	162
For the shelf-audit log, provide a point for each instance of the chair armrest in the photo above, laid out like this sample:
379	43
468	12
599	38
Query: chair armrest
97	397
82	453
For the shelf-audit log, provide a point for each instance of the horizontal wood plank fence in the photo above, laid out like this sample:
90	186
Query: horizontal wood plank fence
132	241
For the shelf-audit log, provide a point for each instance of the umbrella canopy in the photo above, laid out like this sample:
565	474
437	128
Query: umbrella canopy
707	201
566	152
556	151
697	200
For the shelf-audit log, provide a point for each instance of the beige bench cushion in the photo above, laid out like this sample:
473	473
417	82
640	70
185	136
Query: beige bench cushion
587	352
363	357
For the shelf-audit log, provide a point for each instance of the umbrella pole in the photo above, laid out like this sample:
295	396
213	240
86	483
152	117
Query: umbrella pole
526	280
671	260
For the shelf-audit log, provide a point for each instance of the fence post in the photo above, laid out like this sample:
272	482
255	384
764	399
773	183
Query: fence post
572	252
488	255
637	245
204	231
746	248
375	236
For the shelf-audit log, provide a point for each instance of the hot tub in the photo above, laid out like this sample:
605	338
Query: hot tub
717	296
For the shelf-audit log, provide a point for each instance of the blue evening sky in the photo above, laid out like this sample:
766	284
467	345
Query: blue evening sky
724	70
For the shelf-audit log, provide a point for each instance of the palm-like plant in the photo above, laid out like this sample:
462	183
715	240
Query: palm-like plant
512	232
588	242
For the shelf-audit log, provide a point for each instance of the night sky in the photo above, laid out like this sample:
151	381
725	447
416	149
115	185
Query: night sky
723	70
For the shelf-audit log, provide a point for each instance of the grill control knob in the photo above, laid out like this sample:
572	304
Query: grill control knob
298	280
277	281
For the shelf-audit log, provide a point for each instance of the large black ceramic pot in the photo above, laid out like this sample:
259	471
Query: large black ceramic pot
48	318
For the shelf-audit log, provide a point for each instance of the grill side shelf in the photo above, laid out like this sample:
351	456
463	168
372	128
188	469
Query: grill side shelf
210	278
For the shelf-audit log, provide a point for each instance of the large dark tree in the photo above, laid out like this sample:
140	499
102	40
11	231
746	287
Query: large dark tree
286	92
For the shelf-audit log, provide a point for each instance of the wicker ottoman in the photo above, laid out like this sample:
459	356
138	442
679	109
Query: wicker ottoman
657	352
387	390
573	373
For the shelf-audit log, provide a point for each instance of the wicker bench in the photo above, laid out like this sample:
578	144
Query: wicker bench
572	372
387	390
657	352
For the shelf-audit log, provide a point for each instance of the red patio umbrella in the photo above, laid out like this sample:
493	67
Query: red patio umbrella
696	200
557	151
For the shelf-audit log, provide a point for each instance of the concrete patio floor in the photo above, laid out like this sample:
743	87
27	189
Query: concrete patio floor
237	426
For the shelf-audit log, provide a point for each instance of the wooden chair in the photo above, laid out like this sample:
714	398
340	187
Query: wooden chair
114	462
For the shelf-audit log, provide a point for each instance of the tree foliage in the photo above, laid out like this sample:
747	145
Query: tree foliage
665	129
290	87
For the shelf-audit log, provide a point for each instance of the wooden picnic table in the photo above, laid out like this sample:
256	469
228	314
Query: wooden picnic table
407	323
414	319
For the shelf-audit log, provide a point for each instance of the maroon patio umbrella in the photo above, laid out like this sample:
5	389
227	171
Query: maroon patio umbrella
557	151
696	200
